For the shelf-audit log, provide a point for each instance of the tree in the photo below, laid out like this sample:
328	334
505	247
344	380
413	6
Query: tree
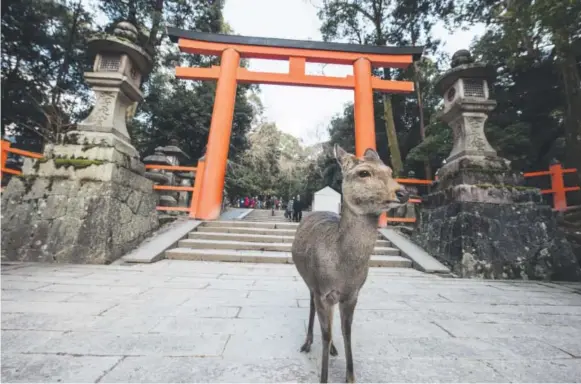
43	60
380	22
541	37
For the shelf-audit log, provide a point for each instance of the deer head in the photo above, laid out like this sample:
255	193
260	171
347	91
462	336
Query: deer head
368	184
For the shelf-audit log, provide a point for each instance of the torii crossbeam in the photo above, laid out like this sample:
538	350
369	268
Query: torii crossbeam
232	48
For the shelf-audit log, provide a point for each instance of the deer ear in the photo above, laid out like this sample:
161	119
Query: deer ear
371	155
344	158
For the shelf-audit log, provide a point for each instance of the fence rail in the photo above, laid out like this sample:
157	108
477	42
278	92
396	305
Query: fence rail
558	189
5	149
195	189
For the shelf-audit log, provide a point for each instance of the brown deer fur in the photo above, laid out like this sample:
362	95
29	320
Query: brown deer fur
332	252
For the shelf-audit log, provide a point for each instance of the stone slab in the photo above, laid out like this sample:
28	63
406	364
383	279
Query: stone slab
229	252
52	307
173	325
204	370
41	368
20	341
235	214
254	224
244	214
240	237
153	249
539	371
298	369
248	230
134	344
421	259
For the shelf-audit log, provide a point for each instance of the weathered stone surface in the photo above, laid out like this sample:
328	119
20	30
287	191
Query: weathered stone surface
164	322
496	241
480	220
59	218
52	368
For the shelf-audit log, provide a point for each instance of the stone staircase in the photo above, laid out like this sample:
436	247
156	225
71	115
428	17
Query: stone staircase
255	241
261	215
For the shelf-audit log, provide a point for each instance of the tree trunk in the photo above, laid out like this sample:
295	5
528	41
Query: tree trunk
394	153
64	68
156	21
572	92
427	167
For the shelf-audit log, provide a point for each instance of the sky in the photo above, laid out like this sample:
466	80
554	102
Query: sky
304	112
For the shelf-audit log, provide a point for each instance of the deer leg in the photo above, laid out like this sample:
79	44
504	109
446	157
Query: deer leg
325	315
307	345
346	309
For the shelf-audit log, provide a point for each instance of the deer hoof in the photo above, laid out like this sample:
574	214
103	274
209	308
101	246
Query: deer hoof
306	348
350	379
333	351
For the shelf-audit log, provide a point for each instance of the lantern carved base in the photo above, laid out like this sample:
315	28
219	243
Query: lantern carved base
81	204
495	232
477	170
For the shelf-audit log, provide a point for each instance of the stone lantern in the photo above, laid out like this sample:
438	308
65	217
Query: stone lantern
88	201
480	219
466	94
118	69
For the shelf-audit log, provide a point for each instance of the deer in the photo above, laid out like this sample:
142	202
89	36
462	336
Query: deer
331	252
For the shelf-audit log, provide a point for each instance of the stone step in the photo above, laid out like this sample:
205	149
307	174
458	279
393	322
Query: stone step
262	224
266	213
242	237
247	230
258	246
262	220
260	238
247	256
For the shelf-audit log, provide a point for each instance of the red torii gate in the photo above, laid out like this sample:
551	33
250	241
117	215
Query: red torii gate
206	205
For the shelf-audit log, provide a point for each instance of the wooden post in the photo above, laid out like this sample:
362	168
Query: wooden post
197	187
219	139
558	187
4	155
364	116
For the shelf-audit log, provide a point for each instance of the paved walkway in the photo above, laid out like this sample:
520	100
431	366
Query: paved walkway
177	321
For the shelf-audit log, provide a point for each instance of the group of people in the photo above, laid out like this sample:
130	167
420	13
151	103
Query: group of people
294	210
259	202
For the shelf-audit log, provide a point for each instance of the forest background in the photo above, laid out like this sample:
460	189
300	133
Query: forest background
535	45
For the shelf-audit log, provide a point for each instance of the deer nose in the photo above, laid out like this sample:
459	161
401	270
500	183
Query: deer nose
402	195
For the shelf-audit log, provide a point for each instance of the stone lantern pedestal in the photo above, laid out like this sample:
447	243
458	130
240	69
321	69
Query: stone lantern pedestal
481	220
87	201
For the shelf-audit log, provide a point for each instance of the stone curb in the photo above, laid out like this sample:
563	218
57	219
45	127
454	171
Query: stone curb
154	250
244	214
420	258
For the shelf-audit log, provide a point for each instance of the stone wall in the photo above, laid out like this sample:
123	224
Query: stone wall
89	214
496	240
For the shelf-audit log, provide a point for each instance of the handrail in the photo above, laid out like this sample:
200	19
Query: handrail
6	148
170	167
558	188
199	169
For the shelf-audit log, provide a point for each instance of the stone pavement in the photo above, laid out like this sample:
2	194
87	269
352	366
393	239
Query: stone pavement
184	321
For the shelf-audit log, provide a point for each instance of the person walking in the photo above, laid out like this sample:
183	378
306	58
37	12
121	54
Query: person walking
298	209
289	210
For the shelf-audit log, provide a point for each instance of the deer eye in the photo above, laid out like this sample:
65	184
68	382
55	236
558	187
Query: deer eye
364	174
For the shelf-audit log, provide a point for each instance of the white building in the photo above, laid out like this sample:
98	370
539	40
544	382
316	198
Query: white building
327	199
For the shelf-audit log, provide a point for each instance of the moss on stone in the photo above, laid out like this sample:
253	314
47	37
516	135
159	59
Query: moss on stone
76	163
